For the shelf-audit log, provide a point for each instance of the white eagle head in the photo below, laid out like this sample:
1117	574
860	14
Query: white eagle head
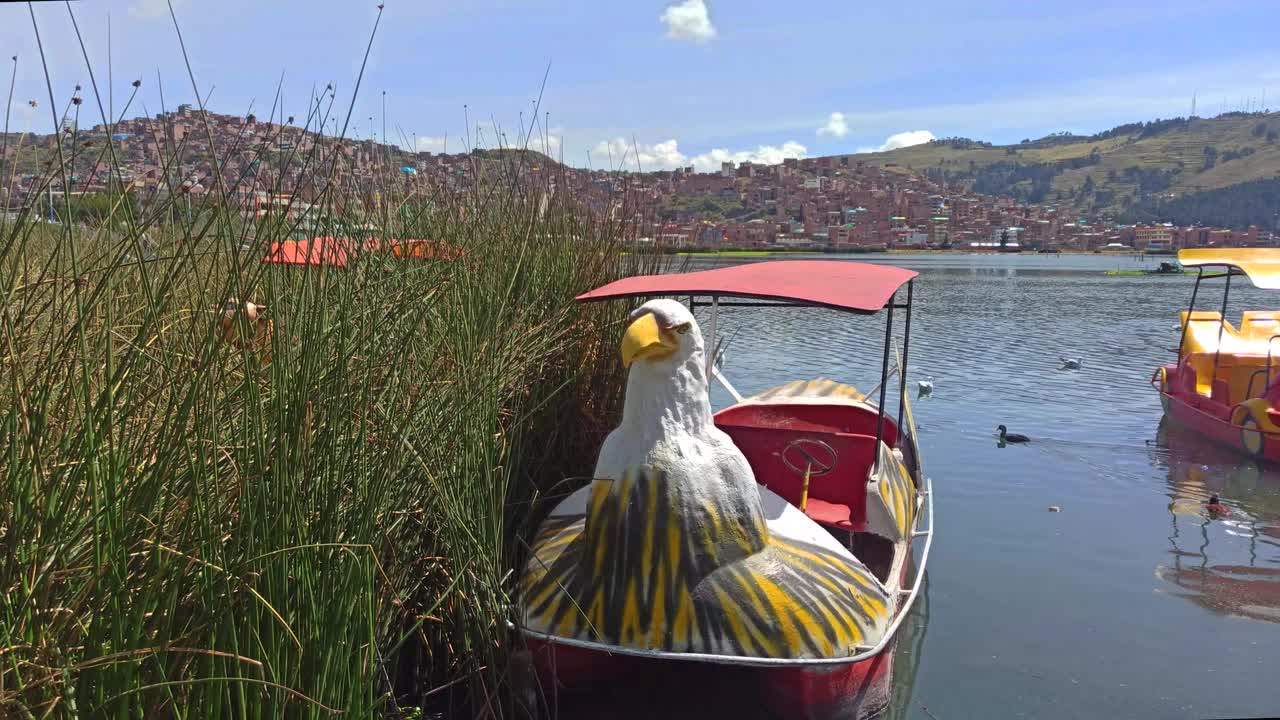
666	379
662	334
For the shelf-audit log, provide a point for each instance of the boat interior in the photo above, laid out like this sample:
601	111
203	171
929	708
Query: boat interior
1229	365
837	499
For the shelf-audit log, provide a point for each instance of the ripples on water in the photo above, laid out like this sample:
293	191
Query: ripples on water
1131	602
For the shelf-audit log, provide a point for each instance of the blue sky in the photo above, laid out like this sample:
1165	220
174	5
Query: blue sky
686	82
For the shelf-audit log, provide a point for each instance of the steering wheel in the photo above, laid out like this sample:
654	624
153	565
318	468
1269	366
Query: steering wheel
815	456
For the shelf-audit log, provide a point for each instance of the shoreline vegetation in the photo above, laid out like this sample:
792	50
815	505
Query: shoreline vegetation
311	511
1144	273
761	252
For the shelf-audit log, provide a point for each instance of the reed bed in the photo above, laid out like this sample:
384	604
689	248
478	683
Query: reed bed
201	519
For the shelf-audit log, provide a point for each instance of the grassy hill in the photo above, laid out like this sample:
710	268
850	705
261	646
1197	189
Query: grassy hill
1227	167
527	155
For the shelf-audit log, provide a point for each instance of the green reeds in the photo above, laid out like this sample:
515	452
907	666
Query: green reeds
326	522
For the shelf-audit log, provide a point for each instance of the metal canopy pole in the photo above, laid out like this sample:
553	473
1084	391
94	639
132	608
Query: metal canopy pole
711	337
884	378
1191	311
906	358
1222	325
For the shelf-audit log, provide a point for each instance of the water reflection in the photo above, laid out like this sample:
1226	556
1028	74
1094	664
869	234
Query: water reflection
1225	564
906	657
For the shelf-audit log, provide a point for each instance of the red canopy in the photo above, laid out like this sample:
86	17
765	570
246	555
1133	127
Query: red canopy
323	250
336	252
855	286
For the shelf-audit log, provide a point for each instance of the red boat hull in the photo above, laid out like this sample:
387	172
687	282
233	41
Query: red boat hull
848	691
851	691
1211	419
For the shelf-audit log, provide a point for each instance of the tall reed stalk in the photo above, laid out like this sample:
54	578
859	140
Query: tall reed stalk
326	524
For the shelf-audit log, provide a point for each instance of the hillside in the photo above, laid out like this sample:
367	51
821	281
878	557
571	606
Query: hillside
1221	171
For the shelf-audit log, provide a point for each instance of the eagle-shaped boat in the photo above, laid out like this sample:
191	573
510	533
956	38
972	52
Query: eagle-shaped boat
771	542
1224	382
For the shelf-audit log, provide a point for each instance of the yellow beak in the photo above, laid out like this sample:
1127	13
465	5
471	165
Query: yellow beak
644	339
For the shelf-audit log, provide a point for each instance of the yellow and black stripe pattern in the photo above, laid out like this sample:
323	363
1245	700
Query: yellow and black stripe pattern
651	569
818	388
897	492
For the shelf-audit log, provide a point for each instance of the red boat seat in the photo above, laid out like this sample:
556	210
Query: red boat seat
1186	382
829	513
1221	392
836	499
1226	379
1201	371
817	417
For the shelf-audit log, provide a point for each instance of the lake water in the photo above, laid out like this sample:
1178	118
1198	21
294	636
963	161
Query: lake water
1128	602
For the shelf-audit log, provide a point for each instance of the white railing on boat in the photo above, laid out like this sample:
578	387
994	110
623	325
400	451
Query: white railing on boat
715	373
864	652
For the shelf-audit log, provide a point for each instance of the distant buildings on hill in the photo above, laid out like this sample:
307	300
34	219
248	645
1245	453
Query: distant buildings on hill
830	203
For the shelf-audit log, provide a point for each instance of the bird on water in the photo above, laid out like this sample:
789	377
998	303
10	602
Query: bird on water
1008	437
925	386
1215	507
1070	364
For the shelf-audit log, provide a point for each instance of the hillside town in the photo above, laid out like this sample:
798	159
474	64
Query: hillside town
829	204
839	204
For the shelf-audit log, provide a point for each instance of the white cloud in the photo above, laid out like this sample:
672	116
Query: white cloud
154	8
437	144
688	20
623	154
901	140
836	126
548	143
762	155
